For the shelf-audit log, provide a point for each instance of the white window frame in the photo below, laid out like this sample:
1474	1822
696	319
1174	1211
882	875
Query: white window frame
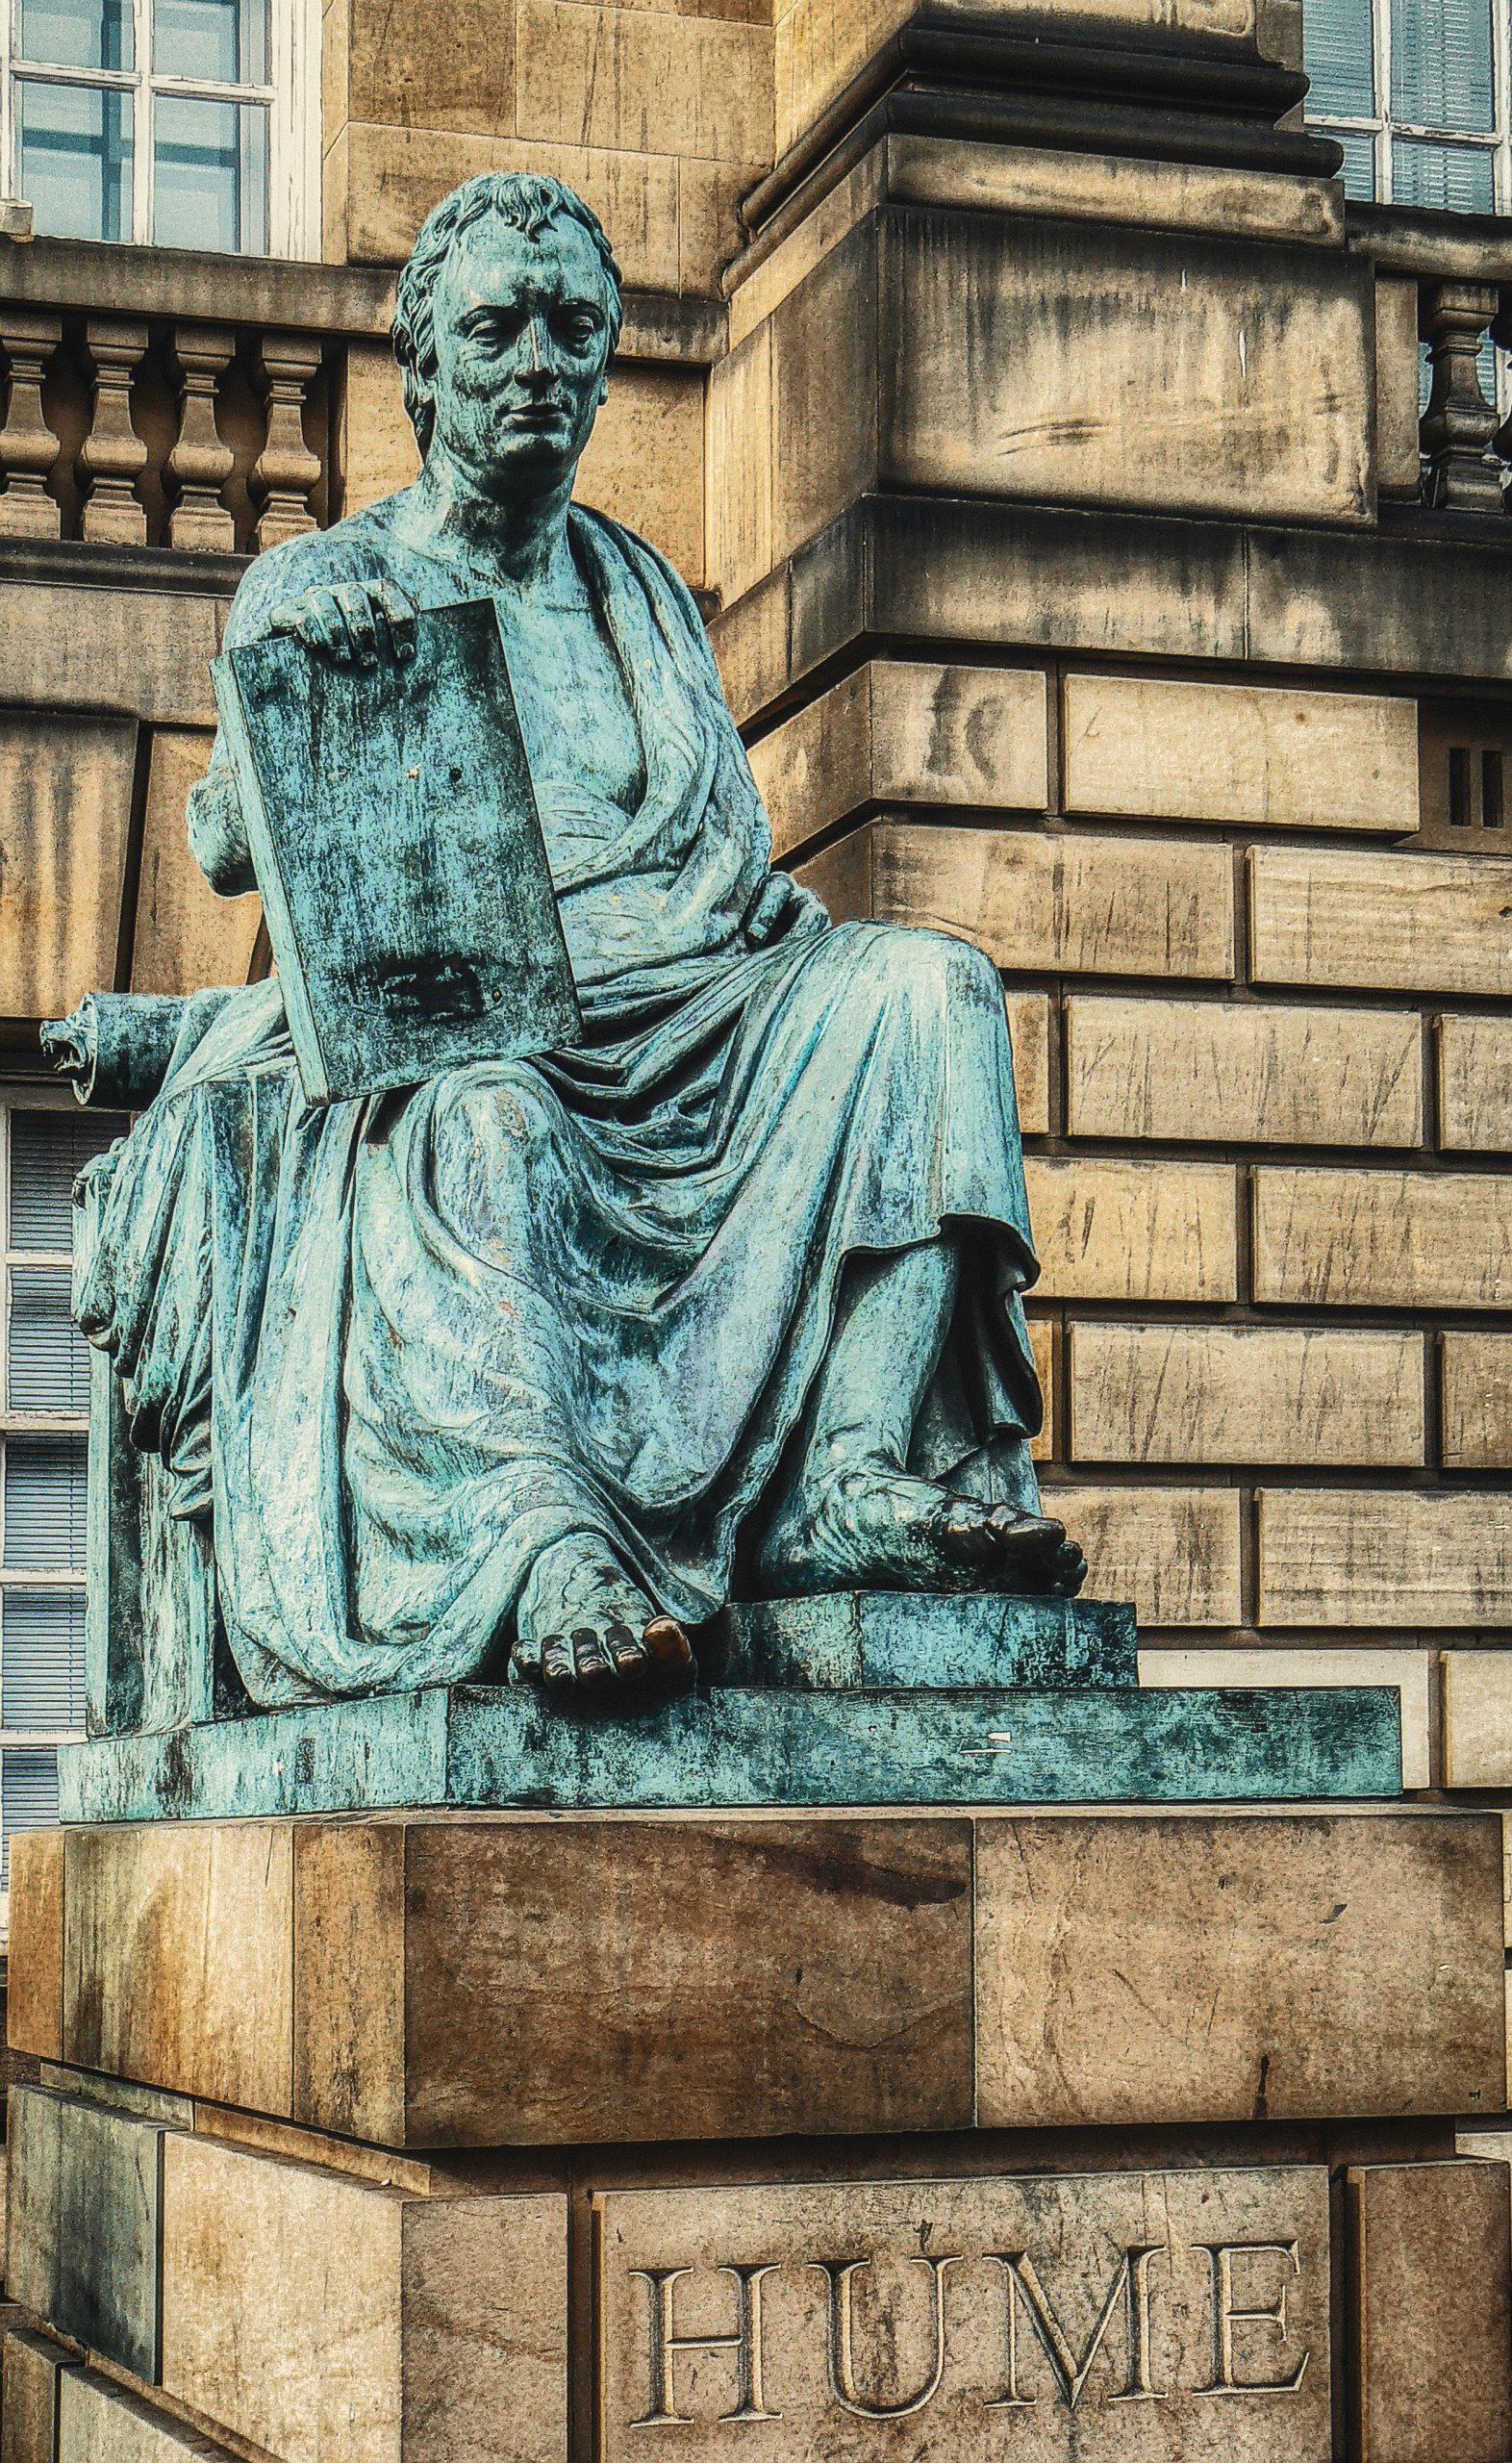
291	97
1381	128
16	1097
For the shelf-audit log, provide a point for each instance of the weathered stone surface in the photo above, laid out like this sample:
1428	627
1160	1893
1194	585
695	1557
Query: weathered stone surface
186	937
99	2421
1431	2313
1029	1033
150	651
34	1995
1475	1056
1395	1239
1065	2316
179	1958
329	2321
633	79
1477	1719
1370	1556
1398	463
375	443
1287	1075
84	2221
1411	1672
1069	900
1282	430
30	2368
65	816
1477	1402
398	73
824	1969
1174	196
1106	1229
906	732
1361	1967
1380	921
1174	1552
738	470
1235	1394
1243	753
396	175
645	460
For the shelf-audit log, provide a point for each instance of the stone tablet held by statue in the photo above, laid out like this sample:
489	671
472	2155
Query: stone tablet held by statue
404	875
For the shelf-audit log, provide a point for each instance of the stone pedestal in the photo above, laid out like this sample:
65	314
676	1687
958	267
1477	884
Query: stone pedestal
449	2136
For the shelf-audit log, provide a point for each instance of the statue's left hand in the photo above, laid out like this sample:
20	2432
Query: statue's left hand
783	906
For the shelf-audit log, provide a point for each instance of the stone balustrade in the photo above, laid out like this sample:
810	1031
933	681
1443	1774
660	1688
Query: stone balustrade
1455	272
166	399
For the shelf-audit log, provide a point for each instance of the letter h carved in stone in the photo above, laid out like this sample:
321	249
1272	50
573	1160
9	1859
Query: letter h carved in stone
665	2342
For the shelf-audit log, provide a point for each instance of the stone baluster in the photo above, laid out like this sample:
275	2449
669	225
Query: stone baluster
28	446
1463	474
113	453
286	473
199	464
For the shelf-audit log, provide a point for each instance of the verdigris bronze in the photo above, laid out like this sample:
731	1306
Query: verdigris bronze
540	1359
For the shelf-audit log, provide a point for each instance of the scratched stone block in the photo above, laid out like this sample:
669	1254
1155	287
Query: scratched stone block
1109	2318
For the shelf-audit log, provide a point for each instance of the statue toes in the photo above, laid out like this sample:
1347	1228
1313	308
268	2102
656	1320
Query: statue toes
628	1652
667	1643
524	1661
557	1664
591	1654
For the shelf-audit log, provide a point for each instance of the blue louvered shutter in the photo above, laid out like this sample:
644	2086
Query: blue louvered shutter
1340	52
28	1798
42	1660
1440	65
45	1504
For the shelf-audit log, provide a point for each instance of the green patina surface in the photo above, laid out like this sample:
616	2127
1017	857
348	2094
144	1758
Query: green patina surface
885	1637
741	1746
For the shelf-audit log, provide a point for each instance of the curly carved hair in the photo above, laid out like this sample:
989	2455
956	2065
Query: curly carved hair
529	203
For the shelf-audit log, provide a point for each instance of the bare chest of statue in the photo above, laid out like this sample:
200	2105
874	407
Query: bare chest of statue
587	764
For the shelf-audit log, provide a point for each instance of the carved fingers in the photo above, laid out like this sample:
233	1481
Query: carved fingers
355	623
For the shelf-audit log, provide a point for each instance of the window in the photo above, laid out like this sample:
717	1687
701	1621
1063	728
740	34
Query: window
1416	91
45	1383
182	123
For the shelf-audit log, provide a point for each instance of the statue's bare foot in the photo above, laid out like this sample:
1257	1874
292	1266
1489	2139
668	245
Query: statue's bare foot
582	1620
879	1531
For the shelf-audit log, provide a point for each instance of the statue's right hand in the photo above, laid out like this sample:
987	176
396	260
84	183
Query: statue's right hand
355	623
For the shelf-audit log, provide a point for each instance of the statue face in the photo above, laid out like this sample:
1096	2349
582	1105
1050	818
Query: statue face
521	341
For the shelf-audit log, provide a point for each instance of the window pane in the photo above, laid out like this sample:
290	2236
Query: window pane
49	1358
78	34
76	159
211	175
44	1503
1359	163
42	1660
224	41
1338	49
1459	178
48	1151
1441	64
28	1799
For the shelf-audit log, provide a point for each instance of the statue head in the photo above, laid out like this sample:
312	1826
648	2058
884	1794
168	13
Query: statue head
507	316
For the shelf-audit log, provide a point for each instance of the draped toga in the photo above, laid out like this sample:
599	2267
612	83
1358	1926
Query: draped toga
395	1347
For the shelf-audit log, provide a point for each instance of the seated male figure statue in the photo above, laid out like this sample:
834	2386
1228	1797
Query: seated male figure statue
536	1363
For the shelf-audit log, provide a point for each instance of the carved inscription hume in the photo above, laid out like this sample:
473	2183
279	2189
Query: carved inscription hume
1108	2317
